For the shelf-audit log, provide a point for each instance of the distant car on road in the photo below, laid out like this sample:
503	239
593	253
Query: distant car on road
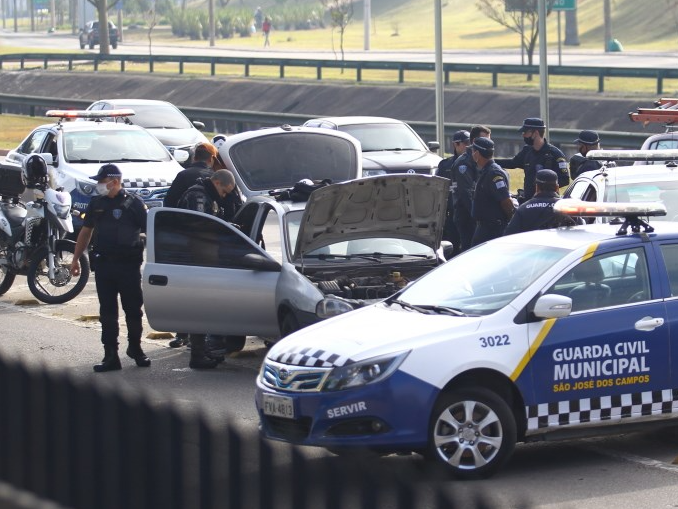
89	36
161	118
388	145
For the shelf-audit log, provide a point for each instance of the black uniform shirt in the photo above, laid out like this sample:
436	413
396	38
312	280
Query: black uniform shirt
579	164
185	179
531	161
492	188
464	176
537	214
117	222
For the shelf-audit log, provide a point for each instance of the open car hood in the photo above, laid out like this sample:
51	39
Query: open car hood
404	206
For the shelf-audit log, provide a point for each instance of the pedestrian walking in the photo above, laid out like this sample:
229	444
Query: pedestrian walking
114	222
537	213
464	178
266	29
537	154
586	142
492	204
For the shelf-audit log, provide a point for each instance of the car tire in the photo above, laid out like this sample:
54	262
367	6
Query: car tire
82	45
288	324
114	45
91	45
472	432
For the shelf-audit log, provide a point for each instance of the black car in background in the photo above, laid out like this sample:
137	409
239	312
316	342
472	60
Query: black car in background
90	35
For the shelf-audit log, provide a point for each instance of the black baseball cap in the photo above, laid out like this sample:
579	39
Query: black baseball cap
532	123
588	138
546	177
485	146
107	170
461	136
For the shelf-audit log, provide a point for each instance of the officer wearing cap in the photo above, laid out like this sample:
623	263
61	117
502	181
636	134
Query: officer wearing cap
537	154
115	221
460	141
537	213
587	141
492	204
464	177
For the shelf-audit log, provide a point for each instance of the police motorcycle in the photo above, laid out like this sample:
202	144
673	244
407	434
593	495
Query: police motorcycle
32	236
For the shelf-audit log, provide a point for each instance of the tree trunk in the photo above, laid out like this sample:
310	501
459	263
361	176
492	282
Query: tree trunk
571	28
104	38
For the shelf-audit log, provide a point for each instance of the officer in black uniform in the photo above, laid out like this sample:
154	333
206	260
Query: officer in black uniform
460	141
587	141
117	220
537	154
464	177
492	204
537	213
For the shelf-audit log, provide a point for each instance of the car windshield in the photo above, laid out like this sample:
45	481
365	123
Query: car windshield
485	279
158	117
376	248
279	161
377	137
113	146
665	191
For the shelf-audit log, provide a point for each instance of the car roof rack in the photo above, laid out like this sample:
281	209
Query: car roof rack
633	155
630	212
665	112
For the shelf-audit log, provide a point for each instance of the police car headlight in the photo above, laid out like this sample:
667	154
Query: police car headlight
84	187
363	373
332	306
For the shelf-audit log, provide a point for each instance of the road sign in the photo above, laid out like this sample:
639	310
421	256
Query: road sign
531	5
564	5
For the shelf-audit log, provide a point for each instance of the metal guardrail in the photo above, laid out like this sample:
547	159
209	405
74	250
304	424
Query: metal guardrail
495	70
242	120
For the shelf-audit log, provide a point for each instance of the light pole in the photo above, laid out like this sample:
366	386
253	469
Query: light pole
543	68
440	92
367	16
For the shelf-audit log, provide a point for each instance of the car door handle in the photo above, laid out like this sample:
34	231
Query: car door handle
157	280
649	323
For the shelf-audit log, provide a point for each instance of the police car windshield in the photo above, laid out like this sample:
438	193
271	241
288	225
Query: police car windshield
485	279
108	145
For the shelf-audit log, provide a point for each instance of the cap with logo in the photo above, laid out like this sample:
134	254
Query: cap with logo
546	177
530	124
588	138
485	146
106	171
461	136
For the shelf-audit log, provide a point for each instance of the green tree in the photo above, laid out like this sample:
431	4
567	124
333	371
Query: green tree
341	14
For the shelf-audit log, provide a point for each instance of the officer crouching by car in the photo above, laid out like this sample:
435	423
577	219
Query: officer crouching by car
492	205
115	221
537	213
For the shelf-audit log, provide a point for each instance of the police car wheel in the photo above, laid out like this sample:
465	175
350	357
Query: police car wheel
472	432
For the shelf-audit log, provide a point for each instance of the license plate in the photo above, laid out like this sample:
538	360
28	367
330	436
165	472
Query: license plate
153	203
278	406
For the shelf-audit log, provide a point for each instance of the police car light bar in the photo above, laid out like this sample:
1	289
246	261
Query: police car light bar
581	208
122	112
633	155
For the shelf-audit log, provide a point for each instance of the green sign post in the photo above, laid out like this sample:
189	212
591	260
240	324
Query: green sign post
531	5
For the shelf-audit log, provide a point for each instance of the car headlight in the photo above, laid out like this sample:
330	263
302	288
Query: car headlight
363	373
372	173
84	187
333	306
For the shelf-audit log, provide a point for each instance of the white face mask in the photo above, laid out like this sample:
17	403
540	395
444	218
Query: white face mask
102	189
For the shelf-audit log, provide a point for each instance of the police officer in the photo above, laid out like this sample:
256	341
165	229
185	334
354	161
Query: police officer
460	141
116	219
537	213
464	177
204	157
492	204
537	154
587	141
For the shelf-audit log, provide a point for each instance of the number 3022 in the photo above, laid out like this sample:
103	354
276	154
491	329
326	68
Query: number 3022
490	341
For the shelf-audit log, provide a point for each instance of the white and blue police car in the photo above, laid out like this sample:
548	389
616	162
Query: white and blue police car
546	334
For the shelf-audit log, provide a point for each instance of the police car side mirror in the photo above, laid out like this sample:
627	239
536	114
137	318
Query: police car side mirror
49	158
552	306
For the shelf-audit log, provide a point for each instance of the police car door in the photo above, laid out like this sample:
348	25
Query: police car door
203	275
669	253
605	360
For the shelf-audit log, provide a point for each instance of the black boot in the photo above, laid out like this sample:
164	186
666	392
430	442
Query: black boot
111	361
198	358
135	352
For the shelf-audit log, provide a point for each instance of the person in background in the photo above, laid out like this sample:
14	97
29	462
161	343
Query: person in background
587	141
492	204
537	154
116	221
460	140
266	29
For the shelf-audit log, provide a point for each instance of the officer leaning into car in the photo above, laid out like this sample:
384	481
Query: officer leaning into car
115	221
492	204
587	141
537	213
537	154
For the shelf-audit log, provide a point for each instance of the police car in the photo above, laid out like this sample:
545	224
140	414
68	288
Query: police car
551	333
76	150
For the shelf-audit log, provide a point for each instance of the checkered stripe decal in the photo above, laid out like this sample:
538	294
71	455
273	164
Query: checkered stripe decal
605	408
145	182
311	357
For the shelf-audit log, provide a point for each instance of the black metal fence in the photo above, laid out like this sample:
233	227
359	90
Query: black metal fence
79	444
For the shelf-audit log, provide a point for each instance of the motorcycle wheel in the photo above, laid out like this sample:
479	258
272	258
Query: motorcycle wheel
6	274
64	286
